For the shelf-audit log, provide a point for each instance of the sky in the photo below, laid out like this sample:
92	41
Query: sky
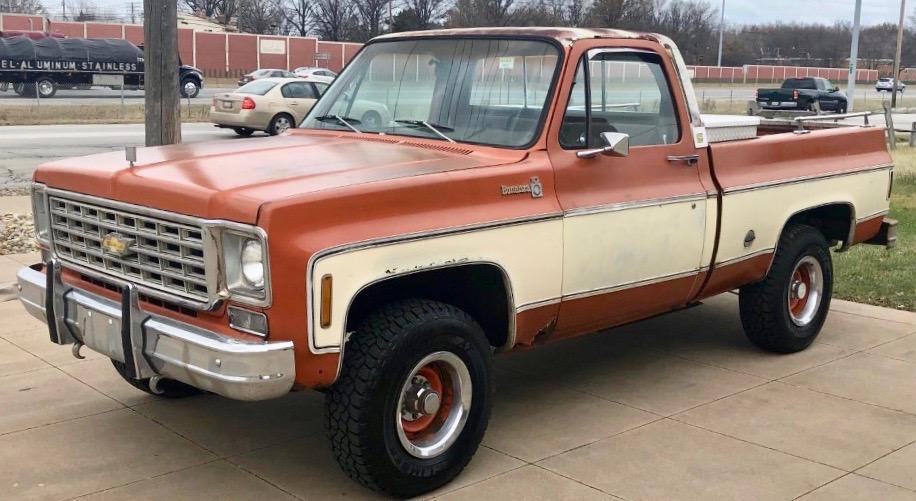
736	11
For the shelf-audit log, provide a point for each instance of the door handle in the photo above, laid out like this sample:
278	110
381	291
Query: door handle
690	160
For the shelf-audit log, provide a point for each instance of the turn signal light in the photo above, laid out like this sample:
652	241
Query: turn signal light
248	103
326	286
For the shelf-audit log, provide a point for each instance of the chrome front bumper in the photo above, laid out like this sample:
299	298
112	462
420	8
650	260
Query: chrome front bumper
152	345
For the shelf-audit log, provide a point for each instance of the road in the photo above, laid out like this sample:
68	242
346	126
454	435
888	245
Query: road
99	95
23	148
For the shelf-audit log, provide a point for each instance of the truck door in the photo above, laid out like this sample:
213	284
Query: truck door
635	225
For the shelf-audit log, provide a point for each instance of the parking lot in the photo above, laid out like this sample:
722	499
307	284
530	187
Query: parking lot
678	407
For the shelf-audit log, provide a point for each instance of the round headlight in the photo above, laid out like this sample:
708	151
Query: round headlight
253	263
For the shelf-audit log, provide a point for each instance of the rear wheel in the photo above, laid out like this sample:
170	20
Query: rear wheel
167	388
46	88
413	398
280	124
785	312
243	131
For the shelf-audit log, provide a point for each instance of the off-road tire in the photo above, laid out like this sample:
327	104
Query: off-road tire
169	387
362	404
764	308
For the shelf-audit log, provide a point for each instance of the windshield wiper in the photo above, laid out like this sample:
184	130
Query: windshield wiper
346	121
435	128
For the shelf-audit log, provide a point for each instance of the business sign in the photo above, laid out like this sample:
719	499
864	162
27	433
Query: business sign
322	56
269	46
48	65
108	80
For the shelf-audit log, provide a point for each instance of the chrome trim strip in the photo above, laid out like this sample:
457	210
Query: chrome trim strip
637	204
630	285
407	237
537	304
801	179
745	257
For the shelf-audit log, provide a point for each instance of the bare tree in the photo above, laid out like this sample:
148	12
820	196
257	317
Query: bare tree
22	7
471	13
334	19
260	16
208	8
299	16
427	13
370	14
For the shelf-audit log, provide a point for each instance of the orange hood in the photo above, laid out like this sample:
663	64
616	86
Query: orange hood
232	179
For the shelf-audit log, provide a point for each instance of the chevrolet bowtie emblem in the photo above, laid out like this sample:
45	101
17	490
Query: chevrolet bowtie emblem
117	244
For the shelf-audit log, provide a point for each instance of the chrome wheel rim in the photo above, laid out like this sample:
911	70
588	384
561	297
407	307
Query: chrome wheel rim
189	88
433	405
282	125
45	87
806	290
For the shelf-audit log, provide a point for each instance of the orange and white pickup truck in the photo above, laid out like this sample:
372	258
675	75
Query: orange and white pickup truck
529	185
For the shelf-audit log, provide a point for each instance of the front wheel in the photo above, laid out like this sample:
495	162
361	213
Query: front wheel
189	88
413	398
46	88
785	312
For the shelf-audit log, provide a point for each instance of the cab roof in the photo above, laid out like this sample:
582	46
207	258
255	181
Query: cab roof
561	34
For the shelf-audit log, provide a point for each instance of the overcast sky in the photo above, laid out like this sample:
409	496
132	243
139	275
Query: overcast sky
736	11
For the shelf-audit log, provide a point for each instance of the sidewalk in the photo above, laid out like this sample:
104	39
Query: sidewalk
677	407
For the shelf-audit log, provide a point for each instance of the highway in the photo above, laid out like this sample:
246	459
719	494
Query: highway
23	148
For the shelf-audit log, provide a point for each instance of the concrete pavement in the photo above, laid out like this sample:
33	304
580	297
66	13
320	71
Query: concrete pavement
677	407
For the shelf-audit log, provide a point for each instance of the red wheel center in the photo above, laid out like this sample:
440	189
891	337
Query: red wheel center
799	290
429	423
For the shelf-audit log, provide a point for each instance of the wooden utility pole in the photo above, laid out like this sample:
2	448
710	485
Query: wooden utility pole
853	58
160	39
897	54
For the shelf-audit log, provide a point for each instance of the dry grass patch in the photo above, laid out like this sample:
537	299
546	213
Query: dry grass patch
60	114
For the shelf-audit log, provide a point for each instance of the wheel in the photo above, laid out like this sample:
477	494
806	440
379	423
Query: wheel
4	86
243	131
413	398
785	312
189	88
371	120
280	124
46	88
24	90
841	108
169	388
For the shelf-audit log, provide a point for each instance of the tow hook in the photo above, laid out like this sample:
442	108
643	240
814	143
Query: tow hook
75	350
154	384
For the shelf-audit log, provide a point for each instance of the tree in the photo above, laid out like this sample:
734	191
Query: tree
209	8
370	13
472	13
260	16
22	7
334	19
299	16
427	13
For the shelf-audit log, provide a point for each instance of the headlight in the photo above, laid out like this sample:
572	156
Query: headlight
245	265
40	217
253	263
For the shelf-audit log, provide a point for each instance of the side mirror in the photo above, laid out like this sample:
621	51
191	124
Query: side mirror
616	144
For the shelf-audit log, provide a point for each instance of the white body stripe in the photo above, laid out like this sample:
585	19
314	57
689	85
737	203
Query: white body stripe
766	209
529	253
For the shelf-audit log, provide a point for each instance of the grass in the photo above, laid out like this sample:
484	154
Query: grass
874	275
57	114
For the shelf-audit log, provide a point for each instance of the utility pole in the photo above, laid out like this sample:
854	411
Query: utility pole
160	40
133	15
63	9
721	34
853	58
897	55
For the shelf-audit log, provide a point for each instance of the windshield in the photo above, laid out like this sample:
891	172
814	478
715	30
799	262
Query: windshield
257	87
484	91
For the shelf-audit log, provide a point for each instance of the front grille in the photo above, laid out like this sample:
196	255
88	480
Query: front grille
162	254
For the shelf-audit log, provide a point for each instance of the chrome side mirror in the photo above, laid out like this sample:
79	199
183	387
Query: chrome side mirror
616	144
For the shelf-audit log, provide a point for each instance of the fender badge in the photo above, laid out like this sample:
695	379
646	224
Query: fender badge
534	187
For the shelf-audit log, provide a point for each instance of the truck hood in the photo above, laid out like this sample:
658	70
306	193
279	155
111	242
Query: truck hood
231	179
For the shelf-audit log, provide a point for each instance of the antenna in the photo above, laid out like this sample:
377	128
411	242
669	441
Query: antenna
131	153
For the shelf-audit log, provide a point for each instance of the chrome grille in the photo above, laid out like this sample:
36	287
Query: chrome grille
163	255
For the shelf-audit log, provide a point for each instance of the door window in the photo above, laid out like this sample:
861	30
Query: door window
298	90
626	92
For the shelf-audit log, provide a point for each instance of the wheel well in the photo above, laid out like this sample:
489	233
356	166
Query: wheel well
833	220
481	290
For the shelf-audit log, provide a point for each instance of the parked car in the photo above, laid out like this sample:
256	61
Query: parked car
265	73
272	105
385	262
315	73
886	84
802	94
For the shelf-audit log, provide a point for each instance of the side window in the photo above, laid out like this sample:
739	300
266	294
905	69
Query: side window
320	88
298	90
628	93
